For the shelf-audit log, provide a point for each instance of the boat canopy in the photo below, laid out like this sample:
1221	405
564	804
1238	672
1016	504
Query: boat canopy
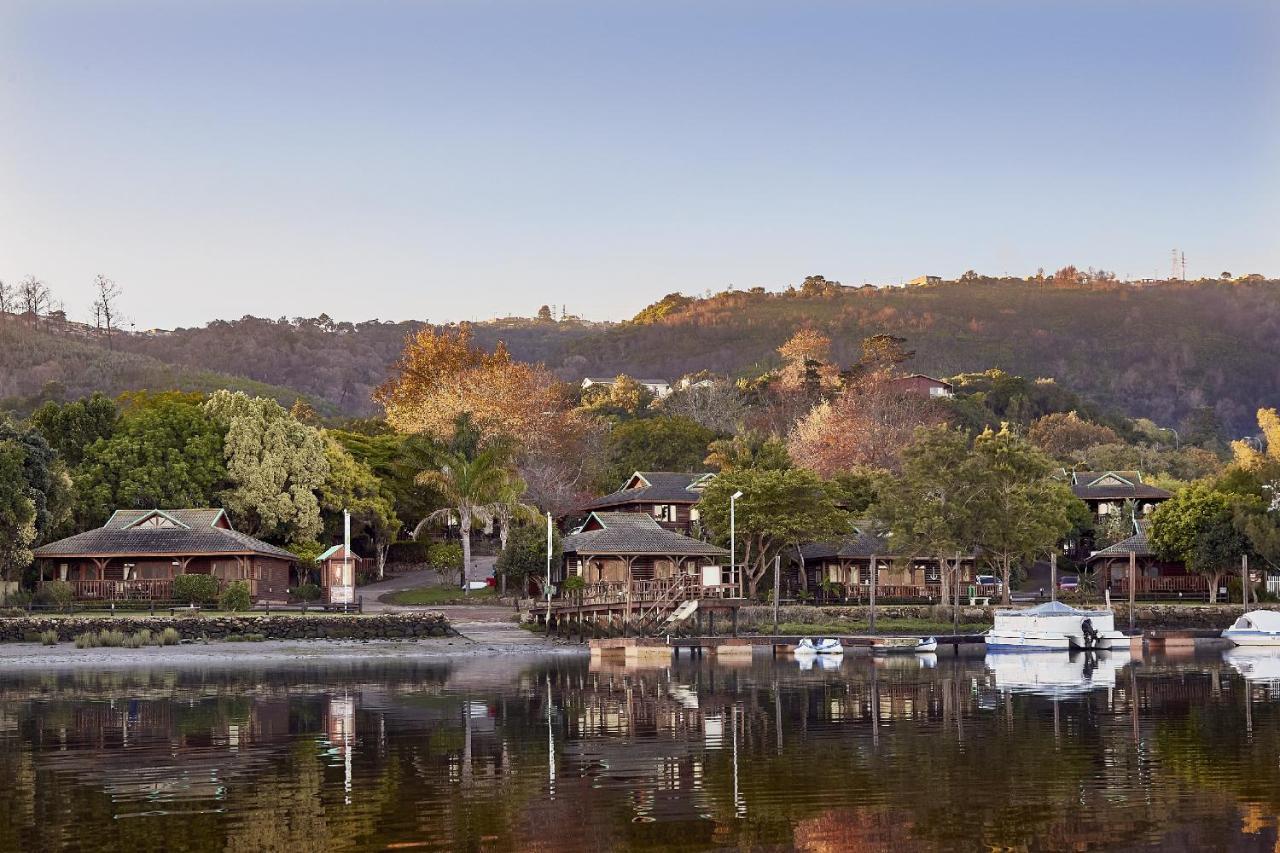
1055	608
1267	621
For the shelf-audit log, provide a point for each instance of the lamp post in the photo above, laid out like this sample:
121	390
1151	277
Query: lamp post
1177	440
733	550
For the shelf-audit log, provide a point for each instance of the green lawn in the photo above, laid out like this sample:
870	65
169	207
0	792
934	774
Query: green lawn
427	596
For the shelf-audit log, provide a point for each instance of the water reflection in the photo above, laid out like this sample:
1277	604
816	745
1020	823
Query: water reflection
901	752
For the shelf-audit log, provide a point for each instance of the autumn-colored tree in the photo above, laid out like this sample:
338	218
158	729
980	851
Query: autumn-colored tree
1247	455
868	425
806	366
1065	436
442	375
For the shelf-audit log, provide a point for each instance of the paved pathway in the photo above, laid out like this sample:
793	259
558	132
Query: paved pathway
483	623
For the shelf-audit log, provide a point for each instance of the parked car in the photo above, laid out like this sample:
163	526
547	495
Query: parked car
1069	583
988	580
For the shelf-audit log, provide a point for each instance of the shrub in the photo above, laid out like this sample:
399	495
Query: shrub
56	593
411	551
306	592
245	638
111	639
168	637
445	556
236	597
195	589
21	598
133	641
145	637
87	640
49	638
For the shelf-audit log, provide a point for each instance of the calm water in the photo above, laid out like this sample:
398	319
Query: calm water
1041	752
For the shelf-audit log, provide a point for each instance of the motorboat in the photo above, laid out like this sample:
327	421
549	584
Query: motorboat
1057	675
927	645
1255	628
826	646
1054	626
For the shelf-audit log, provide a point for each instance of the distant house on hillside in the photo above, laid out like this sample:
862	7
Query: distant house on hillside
667	496
924	279
659	388
917	384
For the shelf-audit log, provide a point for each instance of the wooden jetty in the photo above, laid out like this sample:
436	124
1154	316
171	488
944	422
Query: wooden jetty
656	648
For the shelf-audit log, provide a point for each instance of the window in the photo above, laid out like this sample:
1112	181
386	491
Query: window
665	512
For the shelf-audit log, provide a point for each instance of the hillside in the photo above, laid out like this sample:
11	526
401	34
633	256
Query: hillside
1155	350
39	364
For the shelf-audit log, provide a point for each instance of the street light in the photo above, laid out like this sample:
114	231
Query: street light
733	550
1177	441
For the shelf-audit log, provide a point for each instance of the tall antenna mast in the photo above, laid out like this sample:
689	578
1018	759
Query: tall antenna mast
1173	265
1183	258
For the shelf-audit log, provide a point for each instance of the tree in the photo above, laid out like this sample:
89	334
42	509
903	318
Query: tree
104	306
524	557
806	364
164	452
1197	526
8	297
441	376
17	511
507	509
624	397
1022	510
544	314
662	443
747	450
351	485
777	510
868	425
931	505
1202	427
470	479
717	404
1247	455
71	428
34	297
275	467
1066	436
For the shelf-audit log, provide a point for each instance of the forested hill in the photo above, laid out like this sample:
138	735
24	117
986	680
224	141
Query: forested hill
1154	350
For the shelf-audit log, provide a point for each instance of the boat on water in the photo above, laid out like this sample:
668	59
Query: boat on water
1255	628
927	645
825	646
1054	626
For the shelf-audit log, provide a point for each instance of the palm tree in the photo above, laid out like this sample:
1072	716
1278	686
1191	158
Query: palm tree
470	484
508	508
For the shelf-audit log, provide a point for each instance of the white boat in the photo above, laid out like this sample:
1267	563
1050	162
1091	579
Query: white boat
928	645
1054	626
1255	628
827	646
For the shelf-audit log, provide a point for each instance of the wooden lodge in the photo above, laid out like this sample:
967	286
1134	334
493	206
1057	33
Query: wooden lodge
668	496
637	575
138	552
1155	578
848	564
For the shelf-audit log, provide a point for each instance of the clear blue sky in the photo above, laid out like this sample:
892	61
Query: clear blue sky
459	160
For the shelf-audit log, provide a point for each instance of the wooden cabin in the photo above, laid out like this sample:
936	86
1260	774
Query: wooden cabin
669	497
847	563
138	552
620	547
1155	578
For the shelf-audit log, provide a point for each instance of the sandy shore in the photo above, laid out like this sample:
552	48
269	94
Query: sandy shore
18	657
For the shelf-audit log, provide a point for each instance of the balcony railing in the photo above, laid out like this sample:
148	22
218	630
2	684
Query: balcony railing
1157	586
145	589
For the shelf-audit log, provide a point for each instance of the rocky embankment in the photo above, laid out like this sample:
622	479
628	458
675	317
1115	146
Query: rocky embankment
331	626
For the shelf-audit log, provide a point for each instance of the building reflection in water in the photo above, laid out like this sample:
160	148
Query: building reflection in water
901	752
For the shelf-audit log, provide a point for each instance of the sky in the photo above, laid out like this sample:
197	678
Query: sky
464	160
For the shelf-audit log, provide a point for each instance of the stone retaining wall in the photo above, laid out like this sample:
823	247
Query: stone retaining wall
331	626
1147	616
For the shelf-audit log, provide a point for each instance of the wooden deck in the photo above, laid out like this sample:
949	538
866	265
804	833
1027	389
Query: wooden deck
638	607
